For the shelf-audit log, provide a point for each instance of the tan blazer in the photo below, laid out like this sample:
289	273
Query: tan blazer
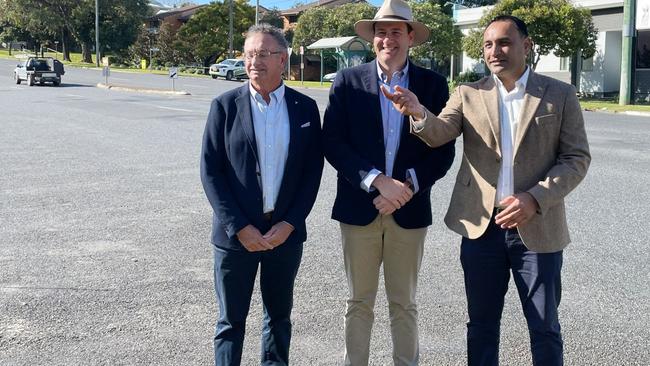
551	156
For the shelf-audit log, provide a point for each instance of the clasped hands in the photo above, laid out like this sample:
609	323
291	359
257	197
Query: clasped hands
393	194
253	240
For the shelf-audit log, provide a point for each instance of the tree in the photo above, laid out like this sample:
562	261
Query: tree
205	35
553	25
445	39
320	22
119	20
272	17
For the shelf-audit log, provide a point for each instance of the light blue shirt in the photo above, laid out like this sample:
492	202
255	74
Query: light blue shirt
392	121
271	124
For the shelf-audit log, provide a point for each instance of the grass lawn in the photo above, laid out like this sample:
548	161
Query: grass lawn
611	106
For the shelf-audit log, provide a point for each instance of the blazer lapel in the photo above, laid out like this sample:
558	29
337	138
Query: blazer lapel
490	97
372	86
293	109
245	118
534	93
293	155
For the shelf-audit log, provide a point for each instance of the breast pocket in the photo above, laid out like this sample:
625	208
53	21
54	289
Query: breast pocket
546	120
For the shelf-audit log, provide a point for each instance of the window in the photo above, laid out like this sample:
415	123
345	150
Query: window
588	64
564	63
643	50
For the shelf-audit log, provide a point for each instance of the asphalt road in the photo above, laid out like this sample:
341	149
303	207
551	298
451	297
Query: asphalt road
105	257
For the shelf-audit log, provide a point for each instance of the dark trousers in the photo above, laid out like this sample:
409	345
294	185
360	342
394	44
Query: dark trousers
487	263
234	279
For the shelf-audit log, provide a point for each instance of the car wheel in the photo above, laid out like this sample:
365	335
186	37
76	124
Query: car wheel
17	78
214	76
56	83
229	75
30	80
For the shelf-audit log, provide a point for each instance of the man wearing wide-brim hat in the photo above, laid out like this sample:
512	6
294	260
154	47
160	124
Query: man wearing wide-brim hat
384	179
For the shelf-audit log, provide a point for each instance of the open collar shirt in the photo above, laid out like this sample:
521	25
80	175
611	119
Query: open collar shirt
392	121
271	124
510	103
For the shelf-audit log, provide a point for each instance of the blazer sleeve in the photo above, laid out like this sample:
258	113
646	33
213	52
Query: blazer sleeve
573	157
435	164
441	129
313	169
338	151
214	161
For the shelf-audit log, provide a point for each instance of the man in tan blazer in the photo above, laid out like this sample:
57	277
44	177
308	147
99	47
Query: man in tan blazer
525	149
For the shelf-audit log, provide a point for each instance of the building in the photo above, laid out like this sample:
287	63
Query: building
599	75
290	16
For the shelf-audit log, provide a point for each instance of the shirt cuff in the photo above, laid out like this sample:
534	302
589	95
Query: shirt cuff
411	174
366	182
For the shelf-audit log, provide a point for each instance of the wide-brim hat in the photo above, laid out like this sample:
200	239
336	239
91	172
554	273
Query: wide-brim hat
393	11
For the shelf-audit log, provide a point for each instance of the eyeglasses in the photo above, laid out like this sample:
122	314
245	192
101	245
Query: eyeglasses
261	54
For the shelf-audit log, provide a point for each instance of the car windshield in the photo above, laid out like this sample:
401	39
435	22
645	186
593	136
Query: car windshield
228	62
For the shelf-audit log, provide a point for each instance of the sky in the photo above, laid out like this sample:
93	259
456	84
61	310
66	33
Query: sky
280	4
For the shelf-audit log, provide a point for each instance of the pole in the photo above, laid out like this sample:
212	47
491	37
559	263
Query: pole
627	58
97	31
257	12
230	31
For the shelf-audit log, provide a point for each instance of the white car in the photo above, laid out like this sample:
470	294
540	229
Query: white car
329	77
228	69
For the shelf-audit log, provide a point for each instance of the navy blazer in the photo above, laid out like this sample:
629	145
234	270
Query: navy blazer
353	141
230	173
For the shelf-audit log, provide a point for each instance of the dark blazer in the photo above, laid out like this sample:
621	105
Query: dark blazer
353	141
230	173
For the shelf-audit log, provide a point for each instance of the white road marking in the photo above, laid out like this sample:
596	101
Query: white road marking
197	86
75	95
163	107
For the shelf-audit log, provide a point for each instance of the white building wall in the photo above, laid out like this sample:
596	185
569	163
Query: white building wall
613	52
549	63
592	82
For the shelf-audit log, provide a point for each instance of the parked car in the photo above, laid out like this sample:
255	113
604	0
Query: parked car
39	70
329	77
228	69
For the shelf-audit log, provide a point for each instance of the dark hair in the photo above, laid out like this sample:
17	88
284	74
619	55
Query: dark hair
274	32
520	24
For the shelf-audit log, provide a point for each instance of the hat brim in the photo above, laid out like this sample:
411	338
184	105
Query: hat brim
364	29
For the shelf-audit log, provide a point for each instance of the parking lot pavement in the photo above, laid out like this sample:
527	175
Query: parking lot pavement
105	257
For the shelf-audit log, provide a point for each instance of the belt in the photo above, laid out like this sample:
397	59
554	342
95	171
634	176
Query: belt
268	215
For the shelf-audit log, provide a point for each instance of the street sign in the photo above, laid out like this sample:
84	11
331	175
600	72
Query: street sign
302	50
173	72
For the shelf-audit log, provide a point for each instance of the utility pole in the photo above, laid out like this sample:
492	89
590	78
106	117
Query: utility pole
230	50
257	12
97	31
627	57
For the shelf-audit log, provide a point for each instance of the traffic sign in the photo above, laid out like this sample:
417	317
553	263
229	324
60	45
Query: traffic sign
173	72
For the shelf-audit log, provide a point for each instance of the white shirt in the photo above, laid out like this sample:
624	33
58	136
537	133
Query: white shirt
392	121
271	124
510	104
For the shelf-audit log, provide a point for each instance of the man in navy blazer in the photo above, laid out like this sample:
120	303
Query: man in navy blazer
261	166
384	179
